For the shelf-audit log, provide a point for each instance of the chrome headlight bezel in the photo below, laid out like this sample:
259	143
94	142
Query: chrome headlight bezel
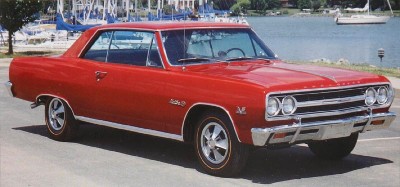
278	105
369	102
294	105
379	96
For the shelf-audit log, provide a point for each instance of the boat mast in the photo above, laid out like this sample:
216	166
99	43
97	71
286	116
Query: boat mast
390	7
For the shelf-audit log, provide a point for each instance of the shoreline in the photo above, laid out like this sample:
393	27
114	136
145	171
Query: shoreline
385	71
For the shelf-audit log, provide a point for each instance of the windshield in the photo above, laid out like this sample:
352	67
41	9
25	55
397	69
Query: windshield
194	46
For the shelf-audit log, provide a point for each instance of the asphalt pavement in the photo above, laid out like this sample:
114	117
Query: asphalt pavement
102	156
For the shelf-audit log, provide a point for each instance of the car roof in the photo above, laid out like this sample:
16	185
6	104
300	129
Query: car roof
170	25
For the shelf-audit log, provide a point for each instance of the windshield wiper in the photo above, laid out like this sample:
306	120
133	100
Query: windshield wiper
246	58
239	58
183	60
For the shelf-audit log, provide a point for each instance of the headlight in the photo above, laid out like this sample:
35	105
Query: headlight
273	106
288	105
370	96
382	95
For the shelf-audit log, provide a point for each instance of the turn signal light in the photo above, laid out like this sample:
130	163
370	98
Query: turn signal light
378	122
279	135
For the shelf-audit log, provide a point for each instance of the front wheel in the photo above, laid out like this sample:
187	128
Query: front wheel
60	121
217	148
334	149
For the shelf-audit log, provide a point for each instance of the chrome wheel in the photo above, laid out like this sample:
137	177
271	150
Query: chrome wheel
56	114
214	143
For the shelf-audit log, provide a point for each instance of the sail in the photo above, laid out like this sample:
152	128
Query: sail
61	25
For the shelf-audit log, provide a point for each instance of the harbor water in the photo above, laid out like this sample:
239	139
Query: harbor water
313	38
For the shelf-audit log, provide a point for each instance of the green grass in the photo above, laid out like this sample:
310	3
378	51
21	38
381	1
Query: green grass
391	72
290	11
29	53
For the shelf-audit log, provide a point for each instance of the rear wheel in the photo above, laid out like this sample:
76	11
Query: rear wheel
60	121
217	148
334	149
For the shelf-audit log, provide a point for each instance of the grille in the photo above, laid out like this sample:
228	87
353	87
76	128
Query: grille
334	102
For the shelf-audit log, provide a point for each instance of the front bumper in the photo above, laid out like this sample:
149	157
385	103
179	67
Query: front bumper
321	130
8	85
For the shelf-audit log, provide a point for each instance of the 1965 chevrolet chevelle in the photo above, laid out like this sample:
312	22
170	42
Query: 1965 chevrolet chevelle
213	84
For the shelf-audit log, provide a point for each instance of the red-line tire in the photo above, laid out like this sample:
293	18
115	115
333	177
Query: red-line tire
216	145
61	124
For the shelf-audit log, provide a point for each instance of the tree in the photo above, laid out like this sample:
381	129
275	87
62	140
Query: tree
303	4
223	4
271	4
315	4
16	13
241	6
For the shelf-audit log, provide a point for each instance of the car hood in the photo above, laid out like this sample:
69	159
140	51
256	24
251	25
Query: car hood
283	76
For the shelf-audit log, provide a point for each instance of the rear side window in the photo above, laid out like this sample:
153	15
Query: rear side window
98	51
125	47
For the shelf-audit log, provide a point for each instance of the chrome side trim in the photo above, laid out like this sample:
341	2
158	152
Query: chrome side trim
213	105
331	101
131	128
8	85
321	130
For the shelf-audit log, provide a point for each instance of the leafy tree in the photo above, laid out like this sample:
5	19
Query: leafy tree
223	4
395	4
259	5
304	4
16	13
315	4
271	4
240	7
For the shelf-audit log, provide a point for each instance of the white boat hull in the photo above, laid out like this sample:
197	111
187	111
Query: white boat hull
362	19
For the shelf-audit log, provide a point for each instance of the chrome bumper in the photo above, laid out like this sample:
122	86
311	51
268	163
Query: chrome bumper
8	85
321	130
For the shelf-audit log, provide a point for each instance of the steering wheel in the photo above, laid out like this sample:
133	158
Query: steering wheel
236	49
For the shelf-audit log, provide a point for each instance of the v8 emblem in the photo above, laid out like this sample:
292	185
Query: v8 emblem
241	110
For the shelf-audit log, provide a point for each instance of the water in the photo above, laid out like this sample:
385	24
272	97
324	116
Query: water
310	38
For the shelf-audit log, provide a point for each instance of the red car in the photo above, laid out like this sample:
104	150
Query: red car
214	84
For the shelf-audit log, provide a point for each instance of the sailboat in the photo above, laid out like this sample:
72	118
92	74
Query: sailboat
362	18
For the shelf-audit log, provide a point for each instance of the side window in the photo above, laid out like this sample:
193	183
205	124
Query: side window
125	47
98	51
129	47
153	59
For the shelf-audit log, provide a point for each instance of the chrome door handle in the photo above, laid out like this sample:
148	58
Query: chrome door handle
100	75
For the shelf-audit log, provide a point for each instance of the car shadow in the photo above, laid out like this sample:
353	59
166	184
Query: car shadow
263	167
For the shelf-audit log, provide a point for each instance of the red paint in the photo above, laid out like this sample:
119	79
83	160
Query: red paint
140	96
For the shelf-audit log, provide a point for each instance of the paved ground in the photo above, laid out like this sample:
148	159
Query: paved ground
107	157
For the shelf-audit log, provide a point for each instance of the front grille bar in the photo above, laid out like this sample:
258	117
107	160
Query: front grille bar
331	101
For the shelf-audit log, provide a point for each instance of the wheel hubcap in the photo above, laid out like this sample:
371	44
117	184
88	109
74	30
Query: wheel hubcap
214	143
56	114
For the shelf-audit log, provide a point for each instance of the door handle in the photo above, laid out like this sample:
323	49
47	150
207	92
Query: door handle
100	75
